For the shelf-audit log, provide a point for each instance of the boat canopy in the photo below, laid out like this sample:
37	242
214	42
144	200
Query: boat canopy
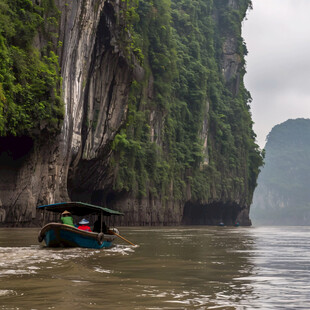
79	208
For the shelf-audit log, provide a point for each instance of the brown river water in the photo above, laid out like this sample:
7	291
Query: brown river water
171	268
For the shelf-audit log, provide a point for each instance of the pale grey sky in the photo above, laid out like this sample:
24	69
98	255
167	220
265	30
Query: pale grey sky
277	35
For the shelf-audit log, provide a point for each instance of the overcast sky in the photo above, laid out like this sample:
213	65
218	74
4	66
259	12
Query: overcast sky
277	35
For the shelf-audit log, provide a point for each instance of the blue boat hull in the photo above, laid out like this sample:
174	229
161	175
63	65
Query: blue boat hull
60	235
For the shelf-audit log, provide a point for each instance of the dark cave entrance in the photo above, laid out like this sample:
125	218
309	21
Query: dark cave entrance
210	214
14	149
13	153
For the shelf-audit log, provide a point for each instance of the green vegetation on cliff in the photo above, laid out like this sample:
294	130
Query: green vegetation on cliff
30	80
282	195
183	44
188	135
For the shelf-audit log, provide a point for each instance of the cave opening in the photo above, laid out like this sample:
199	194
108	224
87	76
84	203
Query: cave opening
107	19
13	153
210	214
14	149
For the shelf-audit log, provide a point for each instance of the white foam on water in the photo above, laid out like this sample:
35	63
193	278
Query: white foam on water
98	269
33	268
7	293
15	272
26	260
120	249
186	298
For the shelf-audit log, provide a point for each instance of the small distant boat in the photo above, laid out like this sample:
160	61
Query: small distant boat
62	235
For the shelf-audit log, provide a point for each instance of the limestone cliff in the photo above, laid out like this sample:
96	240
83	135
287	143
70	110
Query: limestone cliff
165	137
201	125
282	196
96	79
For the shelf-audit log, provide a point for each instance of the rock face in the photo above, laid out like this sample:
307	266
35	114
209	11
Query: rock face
96	79
97	72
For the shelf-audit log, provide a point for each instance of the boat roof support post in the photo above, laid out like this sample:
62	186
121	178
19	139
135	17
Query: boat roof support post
43	218
101	218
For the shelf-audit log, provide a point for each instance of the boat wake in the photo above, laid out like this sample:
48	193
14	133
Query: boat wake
121	249
7	293
29	260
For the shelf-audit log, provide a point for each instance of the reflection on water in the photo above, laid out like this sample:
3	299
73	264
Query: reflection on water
172	268
281	259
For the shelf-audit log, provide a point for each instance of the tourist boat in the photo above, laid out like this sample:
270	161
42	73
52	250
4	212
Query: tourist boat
61	235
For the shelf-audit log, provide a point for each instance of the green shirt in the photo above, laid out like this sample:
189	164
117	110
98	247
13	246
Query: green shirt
68	220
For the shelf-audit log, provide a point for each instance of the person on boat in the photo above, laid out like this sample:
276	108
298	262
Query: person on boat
66	218
83	225
98	227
